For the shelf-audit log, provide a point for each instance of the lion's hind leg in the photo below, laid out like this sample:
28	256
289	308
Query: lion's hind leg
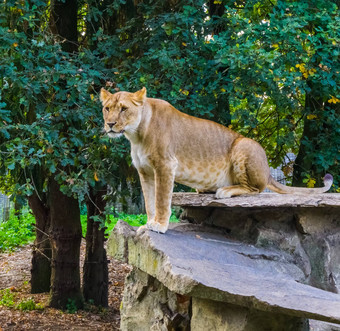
249	170
235	190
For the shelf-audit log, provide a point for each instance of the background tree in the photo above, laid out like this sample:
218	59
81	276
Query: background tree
65	232
38	89
95	277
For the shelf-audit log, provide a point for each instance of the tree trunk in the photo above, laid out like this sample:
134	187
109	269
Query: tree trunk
304	162
95	277
66	236
41	254
63	22
65	231
221	113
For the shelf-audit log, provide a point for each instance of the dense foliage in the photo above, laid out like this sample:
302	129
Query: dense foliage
268	69
47	111
250	65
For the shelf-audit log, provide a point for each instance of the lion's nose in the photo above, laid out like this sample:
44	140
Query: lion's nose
111	124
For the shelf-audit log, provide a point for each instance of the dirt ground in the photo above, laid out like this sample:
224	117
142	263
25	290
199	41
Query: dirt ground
15	275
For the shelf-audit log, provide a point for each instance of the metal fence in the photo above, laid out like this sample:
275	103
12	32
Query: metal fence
5	207
278	174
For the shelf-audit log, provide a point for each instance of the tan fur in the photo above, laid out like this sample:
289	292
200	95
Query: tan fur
168	145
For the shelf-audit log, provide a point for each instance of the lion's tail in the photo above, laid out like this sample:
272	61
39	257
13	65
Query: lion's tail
279	188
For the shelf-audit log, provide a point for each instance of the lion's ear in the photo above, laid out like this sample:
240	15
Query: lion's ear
139	97
104	95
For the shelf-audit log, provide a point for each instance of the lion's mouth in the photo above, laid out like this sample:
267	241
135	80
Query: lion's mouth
114	133
117	132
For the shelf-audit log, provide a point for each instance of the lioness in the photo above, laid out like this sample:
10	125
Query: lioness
168	145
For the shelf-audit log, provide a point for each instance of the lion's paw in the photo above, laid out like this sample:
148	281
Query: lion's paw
141	230
156	226
222	193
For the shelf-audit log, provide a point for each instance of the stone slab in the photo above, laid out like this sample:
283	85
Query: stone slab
263	200
221	316
191	260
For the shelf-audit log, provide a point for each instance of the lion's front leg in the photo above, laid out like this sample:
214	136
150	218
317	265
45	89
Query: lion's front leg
147	180
164	183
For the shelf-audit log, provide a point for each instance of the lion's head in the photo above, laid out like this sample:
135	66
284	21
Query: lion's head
122	111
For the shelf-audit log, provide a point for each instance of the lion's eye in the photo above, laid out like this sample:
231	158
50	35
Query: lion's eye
123	109
107	108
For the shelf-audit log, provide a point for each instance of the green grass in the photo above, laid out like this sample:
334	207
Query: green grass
7	298
10	300
133	220
17	232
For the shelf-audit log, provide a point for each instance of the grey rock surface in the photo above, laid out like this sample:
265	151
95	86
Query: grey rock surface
223	316
149	305
196	261
311	235
263	200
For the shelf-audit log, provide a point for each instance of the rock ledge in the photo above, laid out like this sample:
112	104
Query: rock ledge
192	260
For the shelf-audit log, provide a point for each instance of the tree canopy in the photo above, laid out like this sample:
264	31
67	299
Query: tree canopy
251	65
